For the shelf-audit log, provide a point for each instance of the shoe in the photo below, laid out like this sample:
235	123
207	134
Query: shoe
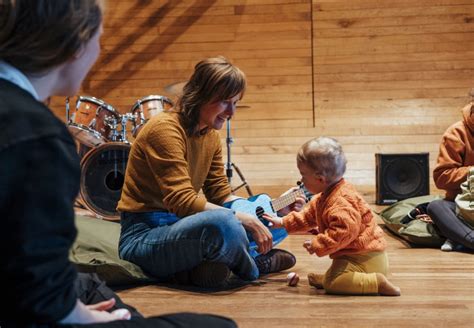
210	274
275	260
181	278
448	246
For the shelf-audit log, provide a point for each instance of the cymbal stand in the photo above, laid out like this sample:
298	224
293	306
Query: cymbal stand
229	165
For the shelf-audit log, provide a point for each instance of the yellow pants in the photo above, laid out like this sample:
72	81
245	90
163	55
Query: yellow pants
355	274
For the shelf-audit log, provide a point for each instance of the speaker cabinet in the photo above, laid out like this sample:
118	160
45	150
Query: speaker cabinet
401	176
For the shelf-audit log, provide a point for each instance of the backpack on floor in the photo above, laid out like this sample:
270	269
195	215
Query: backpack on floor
415	231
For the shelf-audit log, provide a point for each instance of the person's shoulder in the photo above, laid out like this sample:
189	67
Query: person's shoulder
161	129
163	121
455	126
347	194
164	118
455	131
24	118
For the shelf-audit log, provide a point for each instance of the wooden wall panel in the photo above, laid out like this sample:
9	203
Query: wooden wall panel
390	76
380	76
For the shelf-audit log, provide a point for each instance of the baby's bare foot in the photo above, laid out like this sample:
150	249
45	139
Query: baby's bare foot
385	287
315	280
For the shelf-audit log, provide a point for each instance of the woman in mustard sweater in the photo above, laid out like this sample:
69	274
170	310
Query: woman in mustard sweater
346	228
169	228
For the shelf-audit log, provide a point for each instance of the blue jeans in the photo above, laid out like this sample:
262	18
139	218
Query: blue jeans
161	244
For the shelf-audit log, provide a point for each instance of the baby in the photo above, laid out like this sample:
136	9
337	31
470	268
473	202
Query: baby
346	228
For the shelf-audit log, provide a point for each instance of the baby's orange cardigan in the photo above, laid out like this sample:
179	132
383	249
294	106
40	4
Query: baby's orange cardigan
345	222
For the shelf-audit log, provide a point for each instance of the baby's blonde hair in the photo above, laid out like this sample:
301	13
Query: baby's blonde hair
324	155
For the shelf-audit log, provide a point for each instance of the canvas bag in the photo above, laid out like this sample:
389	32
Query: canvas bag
96	251
416	232
465	200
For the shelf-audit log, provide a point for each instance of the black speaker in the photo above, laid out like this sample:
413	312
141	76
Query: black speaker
401	176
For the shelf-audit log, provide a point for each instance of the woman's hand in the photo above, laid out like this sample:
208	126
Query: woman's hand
260	233
102	306
95	313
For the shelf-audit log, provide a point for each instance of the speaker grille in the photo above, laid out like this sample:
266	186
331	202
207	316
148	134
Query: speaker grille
401	176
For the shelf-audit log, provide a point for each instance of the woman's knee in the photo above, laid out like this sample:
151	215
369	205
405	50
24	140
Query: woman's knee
434	207
222	223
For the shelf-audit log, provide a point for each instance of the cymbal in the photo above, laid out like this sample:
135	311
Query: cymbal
175	88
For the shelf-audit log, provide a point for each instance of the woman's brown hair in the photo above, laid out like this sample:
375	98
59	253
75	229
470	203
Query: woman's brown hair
214	79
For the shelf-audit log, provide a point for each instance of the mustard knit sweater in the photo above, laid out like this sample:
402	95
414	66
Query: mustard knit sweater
345	222
166	169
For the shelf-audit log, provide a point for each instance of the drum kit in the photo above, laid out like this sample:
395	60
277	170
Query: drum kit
103	145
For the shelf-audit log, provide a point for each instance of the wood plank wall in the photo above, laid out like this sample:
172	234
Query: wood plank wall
378	75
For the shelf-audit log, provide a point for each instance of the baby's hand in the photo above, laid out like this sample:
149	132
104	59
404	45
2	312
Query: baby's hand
274	220
307	245
297	206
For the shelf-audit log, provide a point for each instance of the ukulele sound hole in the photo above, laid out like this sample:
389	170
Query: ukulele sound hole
259	212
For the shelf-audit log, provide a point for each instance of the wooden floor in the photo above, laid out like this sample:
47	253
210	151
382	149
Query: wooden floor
437	291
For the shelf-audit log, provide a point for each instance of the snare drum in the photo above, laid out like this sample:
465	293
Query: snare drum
93	121
146	108
102	177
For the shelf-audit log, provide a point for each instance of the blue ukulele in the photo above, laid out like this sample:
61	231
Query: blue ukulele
258	205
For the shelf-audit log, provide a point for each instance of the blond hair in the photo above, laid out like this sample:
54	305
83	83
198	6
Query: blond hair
324	155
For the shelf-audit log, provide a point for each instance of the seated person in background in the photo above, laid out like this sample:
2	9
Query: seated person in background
46	49
171	230
456	157
345	225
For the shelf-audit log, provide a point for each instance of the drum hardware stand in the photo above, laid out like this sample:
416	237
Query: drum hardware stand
229	165
67	111
124	119
112	123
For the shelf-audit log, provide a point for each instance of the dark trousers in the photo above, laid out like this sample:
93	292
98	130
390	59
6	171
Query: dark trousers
176	320
443	214
91	290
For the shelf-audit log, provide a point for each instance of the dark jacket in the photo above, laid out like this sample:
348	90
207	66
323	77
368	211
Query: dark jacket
39	181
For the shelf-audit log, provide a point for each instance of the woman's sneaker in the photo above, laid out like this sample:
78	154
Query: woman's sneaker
448	246
275	260
210	274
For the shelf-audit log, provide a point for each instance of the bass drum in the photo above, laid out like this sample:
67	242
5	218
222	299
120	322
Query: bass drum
102	177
